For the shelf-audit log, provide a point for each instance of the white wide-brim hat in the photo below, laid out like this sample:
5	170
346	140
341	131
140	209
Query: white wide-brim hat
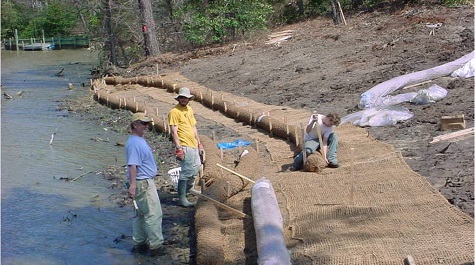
184	92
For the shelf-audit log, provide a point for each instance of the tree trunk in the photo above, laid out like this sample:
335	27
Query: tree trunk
335	12
148	28
110	32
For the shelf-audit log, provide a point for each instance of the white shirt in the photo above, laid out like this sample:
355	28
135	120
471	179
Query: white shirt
325	130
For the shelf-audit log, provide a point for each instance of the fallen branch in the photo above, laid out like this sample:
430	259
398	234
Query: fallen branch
80	176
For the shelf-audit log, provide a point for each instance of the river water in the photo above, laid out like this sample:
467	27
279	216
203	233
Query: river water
46	220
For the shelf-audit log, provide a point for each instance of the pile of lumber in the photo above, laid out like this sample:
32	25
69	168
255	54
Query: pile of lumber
279	37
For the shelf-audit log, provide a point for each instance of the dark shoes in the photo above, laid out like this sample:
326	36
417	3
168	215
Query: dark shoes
160	251
143	249
140	249
332	165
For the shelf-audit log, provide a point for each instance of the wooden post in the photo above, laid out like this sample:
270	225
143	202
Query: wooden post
136	106
341	12
156	111
352	175
201	97
257	145
214	136
225	107
270	127
296	136
212	100
304	150
221	153
157	69
203	185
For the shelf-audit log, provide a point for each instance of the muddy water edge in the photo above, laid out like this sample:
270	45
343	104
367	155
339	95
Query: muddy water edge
62	200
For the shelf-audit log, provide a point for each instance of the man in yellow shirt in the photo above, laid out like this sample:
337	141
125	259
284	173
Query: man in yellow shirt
187	143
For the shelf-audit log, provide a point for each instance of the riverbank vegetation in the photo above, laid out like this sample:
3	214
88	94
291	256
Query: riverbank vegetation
124	38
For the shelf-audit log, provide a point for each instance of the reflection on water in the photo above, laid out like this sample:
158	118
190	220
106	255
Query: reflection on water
46	220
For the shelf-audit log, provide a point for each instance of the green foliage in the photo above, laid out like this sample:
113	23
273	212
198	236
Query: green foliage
13	17
221	21
454	3
54	18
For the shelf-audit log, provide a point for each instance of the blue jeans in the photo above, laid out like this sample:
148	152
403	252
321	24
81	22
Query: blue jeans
312	146
190	165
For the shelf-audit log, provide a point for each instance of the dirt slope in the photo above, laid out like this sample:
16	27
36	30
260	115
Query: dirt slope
325	67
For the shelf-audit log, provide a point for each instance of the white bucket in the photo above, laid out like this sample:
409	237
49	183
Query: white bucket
173	175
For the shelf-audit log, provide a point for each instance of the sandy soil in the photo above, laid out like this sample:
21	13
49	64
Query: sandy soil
325	67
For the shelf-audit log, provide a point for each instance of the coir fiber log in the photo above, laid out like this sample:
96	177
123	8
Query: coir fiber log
208	230
169	87
233	111
315	163
209	240
247	167
143	80
112	102
112	80
276	127
213	157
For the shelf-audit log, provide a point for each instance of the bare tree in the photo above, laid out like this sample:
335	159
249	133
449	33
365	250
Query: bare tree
151	46
110	31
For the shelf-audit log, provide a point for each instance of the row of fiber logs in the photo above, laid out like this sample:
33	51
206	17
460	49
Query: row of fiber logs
210	99
207	226
276	127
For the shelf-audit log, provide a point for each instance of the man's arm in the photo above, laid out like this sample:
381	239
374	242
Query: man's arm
197	137
176	139
132	180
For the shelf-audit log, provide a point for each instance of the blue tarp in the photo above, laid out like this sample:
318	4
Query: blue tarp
227	145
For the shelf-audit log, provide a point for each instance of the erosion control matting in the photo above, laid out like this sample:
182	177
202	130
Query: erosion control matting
372	210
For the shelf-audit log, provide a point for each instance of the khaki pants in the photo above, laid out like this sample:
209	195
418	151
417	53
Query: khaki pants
147	225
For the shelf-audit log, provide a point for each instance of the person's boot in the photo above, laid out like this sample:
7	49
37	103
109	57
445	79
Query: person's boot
182	186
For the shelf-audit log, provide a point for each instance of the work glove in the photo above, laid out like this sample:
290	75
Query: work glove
180	155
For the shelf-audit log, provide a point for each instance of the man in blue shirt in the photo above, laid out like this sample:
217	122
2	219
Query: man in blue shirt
141	171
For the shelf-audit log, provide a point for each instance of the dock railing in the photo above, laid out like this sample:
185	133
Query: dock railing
70	42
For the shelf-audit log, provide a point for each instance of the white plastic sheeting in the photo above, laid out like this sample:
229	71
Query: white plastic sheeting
374	96
432	94
268	224
378	116
468	70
